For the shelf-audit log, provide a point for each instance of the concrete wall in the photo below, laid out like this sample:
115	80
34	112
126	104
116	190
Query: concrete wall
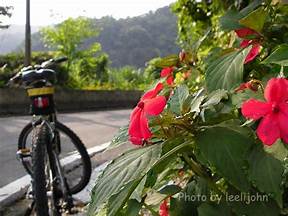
16	101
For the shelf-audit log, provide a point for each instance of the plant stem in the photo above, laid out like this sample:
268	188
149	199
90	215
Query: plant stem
281	74
200	172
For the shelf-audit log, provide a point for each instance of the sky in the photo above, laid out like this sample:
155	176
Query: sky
47	12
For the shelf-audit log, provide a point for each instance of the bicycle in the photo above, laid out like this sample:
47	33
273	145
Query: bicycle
40	149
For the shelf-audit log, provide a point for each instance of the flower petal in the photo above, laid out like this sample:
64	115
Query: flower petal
276	90
244	32
245	43
164	209
253	53
136	140
134	129
166	71
170	80
153	92
282	121
255	109
145	132
155	106
268	130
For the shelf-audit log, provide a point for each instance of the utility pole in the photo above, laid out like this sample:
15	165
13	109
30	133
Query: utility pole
27	61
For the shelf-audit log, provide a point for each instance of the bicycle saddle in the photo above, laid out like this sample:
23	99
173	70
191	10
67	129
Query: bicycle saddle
30	76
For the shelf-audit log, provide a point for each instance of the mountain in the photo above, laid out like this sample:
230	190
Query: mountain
11	38
134	41
130	41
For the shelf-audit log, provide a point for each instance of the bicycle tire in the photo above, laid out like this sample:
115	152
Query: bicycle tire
39	142
85	178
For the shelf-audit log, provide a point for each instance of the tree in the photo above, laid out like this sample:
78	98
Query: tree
67	38
5	11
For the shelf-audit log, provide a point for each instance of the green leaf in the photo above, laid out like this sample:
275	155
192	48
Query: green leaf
230	20
176	102
226	150
154	198
165	159
262	207
133	208
199	42
234	124
227	71
196	101
137	193
251	7
206	209
130	166
194	193
117	201
278	56
255	20
239	97
193	102
277	150
215	97
266	173
170	190
102	212
167	61
120	139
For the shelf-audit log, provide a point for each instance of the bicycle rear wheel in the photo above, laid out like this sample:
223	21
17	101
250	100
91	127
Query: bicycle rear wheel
74	158
39	159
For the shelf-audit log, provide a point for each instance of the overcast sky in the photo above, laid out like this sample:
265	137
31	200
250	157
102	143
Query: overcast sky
45	12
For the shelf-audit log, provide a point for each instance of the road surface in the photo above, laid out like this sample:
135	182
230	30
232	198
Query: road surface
93	128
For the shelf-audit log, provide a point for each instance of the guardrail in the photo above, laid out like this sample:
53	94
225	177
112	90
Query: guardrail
15	101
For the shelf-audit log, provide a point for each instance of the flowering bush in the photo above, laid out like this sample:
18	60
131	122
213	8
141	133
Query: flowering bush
213	147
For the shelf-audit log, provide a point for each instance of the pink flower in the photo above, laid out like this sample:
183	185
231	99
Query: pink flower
164	209
252	85
168	72
274	112
150	104
250	37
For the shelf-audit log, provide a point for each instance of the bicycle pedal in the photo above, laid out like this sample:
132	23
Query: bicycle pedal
22	153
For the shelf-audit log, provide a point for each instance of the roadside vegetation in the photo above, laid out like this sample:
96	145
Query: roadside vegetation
211	133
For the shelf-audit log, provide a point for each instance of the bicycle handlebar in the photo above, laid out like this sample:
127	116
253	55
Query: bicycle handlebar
44	65
52	62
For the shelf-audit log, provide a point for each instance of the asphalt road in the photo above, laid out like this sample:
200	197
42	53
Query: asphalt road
93	128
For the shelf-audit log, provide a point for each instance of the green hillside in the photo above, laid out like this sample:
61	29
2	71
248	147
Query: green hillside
132	41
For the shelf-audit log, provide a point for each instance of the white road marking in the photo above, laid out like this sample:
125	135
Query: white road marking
16	189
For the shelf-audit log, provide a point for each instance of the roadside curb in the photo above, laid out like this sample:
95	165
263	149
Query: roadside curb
17	189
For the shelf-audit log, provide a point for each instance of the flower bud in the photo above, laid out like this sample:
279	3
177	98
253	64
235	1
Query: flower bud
182	56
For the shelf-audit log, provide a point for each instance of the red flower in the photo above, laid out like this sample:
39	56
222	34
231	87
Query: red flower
250	37
274	112
168	72
164	209
150	104
246	32
252	85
